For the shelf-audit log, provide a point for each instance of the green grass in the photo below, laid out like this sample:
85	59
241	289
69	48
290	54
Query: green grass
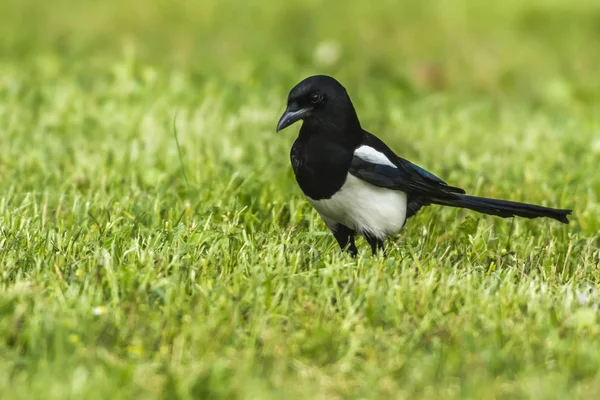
129	269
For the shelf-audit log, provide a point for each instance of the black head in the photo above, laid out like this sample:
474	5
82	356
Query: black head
322	102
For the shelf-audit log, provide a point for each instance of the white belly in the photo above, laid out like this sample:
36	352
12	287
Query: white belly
364	208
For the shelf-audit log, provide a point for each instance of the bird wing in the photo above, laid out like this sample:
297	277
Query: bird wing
402	175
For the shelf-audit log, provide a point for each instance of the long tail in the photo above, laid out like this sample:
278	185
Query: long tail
503	208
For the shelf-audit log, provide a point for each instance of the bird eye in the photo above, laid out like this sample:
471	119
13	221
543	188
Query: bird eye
316	98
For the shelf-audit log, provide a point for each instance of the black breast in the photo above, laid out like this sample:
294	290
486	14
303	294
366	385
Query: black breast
320	165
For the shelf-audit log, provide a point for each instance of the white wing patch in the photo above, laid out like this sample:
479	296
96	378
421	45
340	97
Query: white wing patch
371	155
364	207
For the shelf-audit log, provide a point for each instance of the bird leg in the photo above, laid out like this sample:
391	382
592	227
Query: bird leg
345	238
375	243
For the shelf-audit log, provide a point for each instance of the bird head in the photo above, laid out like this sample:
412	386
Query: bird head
322	102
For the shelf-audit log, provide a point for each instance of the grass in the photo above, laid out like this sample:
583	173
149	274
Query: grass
154	243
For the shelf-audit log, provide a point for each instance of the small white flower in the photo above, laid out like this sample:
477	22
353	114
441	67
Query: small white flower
98	310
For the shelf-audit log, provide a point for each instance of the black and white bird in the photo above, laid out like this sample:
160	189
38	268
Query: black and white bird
357	183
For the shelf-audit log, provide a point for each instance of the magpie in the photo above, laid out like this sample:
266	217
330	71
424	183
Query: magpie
357	183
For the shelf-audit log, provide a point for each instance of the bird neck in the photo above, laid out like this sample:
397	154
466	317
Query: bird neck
347	136
344	128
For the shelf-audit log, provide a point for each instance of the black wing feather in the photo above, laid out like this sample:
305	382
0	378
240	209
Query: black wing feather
406	177
424	188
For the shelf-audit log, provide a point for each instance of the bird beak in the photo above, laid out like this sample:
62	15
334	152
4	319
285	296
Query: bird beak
291	116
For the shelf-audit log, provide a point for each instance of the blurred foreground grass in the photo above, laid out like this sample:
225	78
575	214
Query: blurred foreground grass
127	271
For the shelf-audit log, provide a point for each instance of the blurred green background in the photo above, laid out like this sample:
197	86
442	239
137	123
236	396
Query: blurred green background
539	48
134	267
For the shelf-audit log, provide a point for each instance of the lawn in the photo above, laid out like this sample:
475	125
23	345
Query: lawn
154	243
